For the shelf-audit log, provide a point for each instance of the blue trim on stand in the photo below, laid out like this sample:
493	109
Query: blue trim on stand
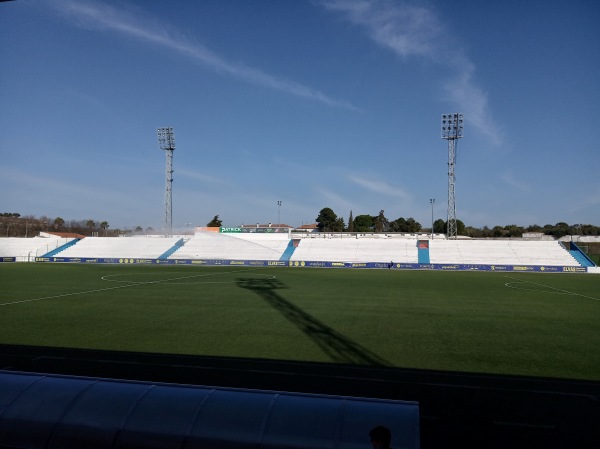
171	250
61	248
287	254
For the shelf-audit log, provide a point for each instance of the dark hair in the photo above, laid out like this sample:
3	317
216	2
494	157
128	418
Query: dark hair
381	433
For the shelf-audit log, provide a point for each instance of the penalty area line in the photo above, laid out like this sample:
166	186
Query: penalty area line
74	294
558	290
106	278
132	284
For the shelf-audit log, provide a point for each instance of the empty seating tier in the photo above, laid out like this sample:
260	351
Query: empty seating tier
210	245
357	250
306	248
500	252
121	247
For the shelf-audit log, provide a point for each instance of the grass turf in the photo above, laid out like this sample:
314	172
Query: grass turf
505	323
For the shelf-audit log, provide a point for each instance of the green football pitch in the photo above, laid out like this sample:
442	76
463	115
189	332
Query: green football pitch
527	324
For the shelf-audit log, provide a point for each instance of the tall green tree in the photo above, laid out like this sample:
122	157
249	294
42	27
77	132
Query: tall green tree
412	225
535	228
350	223
59	223
560	230
104	226
588	229
399	225
498	231
328	221
215	222
407	225
381	223
439	226
514	230
364	223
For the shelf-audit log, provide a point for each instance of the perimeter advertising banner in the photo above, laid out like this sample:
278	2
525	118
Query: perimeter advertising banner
207	229
313	264
261	230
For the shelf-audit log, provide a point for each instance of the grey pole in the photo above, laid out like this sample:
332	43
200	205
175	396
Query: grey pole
432	202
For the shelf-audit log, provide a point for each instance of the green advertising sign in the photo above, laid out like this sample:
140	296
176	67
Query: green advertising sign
230	230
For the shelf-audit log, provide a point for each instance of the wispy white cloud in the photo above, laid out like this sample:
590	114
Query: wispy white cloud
334	200
406	29
411	29
203	177
509	178
378	186
137	25
48	194
587	202
45	185
472	100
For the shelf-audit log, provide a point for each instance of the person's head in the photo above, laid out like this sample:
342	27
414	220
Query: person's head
381	437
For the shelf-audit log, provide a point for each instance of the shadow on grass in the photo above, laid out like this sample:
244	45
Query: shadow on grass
337	346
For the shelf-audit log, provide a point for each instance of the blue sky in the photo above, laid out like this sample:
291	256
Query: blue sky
324	103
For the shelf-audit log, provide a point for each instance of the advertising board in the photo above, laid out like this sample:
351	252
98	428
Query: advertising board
312	264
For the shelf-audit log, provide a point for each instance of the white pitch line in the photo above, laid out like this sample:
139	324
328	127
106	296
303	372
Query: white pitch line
104	278
133	284
74	294
567	292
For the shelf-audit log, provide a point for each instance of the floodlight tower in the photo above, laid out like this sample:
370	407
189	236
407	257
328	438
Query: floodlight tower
166	141
452	130
279	216
432	202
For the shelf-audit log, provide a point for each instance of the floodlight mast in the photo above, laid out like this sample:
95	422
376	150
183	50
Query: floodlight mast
452	130
166	141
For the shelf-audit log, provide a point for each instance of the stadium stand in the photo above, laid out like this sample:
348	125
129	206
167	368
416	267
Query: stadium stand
121	247
26	249
51	411
357	250
500	252
211	245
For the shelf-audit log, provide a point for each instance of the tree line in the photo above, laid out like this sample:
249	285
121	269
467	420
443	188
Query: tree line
14	225
328	221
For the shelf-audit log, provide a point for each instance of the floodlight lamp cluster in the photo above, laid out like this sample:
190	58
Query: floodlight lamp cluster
166	138
452	126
